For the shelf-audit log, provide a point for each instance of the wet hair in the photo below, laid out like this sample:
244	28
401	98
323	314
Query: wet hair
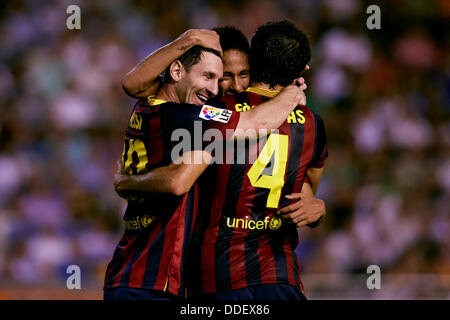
279	53
232	38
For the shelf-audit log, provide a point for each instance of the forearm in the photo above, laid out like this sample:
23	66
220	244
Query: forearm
314	175
176	178
143	80
158	180
187	169
307	191
317	204
271	114
268	115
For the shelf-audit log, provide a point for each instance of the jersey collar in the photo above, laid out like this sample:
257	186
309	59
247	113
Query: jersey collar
263	92
153	101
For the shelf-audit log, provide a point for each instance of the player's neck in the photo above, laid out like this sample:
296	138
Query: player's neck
167	92
265	86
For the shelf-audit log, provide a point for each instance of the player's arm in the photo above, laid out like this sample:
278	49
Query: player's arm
307	210
314	175
143	80
271	114
314	172
176	178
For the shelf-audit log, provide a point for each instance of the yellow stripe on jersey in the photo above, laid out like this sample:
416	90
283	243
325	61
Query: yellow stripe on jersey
295	116
263	92
154	102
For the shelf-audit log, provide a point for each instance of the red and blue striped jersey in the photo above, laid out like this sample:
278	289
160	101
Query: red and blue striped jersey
241	241
158	228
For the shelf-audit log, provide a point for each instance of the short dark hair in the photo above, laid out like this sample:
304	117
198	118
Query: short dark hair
193	55
279	53
232	38
189	59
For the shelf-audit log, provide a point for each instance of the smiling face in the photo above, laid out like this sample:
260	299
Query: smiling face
236	72
201	82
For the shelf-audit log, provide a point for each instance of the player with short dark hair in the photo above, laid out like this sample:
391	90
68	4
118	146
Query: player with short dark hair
236	68
189	59
232	38
277	53
246	251
146	261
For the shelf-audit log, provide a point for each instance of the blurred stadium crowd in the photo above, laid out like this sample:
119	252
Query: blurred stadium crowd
384	96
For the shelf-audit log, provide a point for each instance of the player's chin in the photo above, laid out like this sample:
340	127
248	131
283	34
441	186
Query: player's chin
229	92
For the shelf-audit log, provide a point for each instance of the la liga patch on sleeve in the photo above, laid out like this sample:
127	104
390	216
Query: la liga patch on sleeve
216	114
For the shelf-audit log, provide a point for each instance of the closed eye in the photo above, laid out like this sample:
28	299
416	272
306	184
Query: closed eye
209	75
244	74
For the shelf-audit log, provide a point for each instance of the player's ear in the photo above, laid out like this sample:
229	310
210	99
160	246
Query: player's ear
176	69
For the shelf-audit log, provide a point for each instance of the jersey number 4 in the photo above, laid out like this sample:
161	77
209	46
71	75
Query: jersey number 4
276	147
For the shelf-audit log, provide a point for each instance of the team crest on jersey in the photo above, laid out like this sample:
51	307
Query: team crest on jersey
216	114
275	223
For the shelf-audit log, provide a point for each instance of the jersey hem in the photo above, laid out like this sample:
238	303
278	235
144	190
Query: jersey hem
237	287
146	287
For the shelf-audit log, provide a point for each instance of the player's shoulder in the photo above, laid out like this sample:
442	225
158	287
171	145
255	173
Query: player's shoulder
309	112
242	101
174	109
144	106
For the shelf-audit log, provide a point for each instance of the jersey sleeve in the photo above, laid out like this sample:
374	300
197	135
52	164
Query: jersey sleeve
320	147
217	115
143	146
306	180
195	120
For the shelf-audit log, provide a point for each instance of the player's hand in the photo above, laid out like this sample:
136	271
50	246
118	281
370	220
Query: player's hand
293	94
201	37
305	211
301	84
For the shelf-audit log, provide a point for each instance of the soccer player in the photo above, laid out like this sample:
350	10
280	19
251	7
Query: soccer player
147	262
298	148
236	69
144	79
245	250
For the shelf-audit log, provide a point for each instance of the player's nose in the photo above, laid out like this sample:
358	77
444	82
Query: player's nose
213	88
237	86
